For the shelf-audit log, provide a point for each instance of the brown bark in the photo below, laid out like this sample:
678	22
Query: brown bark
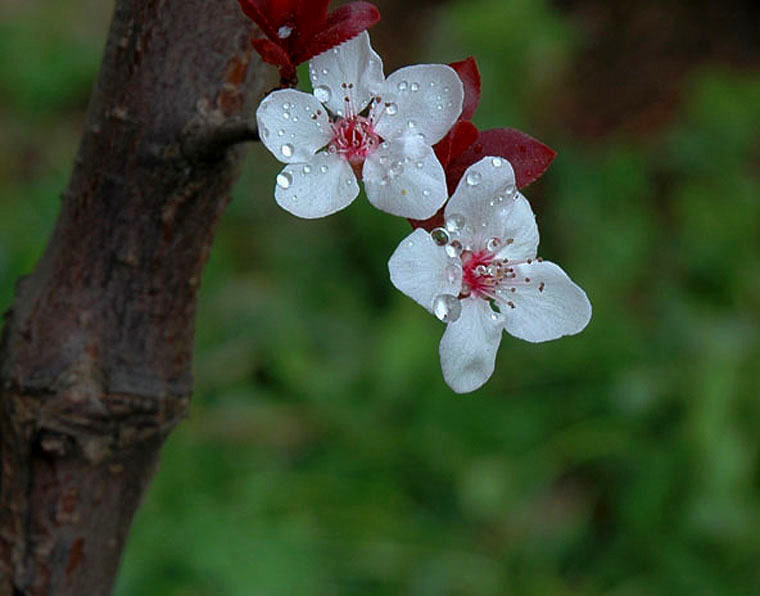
96	350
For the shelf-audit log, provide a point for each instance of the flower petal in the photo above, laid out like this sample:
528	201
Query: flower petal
488	200
322	186
547	307
425	98
403	177
469	345
421	270
293	125
351	70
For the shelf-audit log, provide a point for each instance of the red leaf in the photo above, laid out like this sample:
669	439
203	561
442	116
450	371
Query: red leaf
529	158
312	17
461	136
271	53
257	11
470	75
342	24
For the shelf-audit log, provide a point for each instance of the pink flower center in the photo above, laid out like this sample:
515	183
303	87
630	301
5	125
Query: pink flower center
354	138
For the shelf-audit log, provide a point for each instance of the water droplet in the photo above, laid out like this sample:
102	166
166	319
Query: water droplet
465	289
511	191
307	169
281	133
391	109
415	87
265	132
323	169
426	193
439	106
447	308
446	89
419	165
403	86
325	71
384	181
348	181
284	32
493	244
473	178
287	150
454	248
480	270
284	179
453	272
455	222
495	316
286	115
439	236
322	93
411	124
295	118
294	198
397	168
497	162
286	106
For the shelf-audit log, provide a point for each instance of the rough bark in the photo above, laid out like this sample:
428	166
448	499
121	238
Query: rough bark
96	351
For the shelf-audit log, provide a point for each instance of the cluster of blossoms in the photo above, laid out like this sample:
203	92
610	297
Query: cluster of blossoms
472	258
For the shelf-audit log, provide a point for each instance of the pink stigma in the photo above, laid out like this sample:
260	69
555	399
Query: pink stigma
354	138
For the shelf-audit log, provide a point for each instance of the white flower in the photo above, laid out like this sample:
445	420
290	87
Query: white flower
358	123
480	274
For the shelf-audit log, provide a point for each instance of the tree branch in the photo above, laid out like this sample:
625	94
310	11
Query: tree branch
96	350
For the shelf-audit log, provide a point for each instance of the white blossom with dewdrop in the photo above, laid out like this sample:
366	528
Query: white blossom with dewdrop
358	124
480	275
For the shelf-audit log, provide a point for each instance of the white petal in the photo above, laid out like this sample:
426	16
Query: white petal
425	98
293	125
468	347
403	177
547	307
422	271
352	70
322	186
488	200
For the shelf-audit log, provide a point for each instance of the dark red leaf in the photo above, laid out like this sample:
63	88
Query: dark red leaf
437	221
529	158
258	12
342	24
470	75
312	17
461	136
271	53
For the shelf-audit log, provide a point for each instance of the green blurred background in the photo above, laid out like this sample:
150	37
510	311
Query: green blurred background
326	456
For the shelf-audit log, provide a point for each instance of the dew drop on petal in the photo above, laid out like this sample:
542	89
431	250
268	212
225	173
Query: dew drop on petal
439	236
453	272
284	180
265	132
323	169
284	32
493	244
286	115
447	308
391	109
455	222
497	162
307	169
511	191
287	150
419	165
454	248
426	193
411	124
322	93
403	85
473	178
280	133
415	87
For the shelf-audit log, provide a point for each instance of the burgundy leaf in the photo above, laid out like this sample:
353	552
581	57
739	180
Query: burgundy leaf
470	75
257	11
312	17
342	24
529	158
461	136
272	53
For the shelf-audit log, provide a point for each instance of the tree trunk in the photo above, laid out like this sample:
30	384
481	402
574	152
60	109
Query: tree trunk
96	351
